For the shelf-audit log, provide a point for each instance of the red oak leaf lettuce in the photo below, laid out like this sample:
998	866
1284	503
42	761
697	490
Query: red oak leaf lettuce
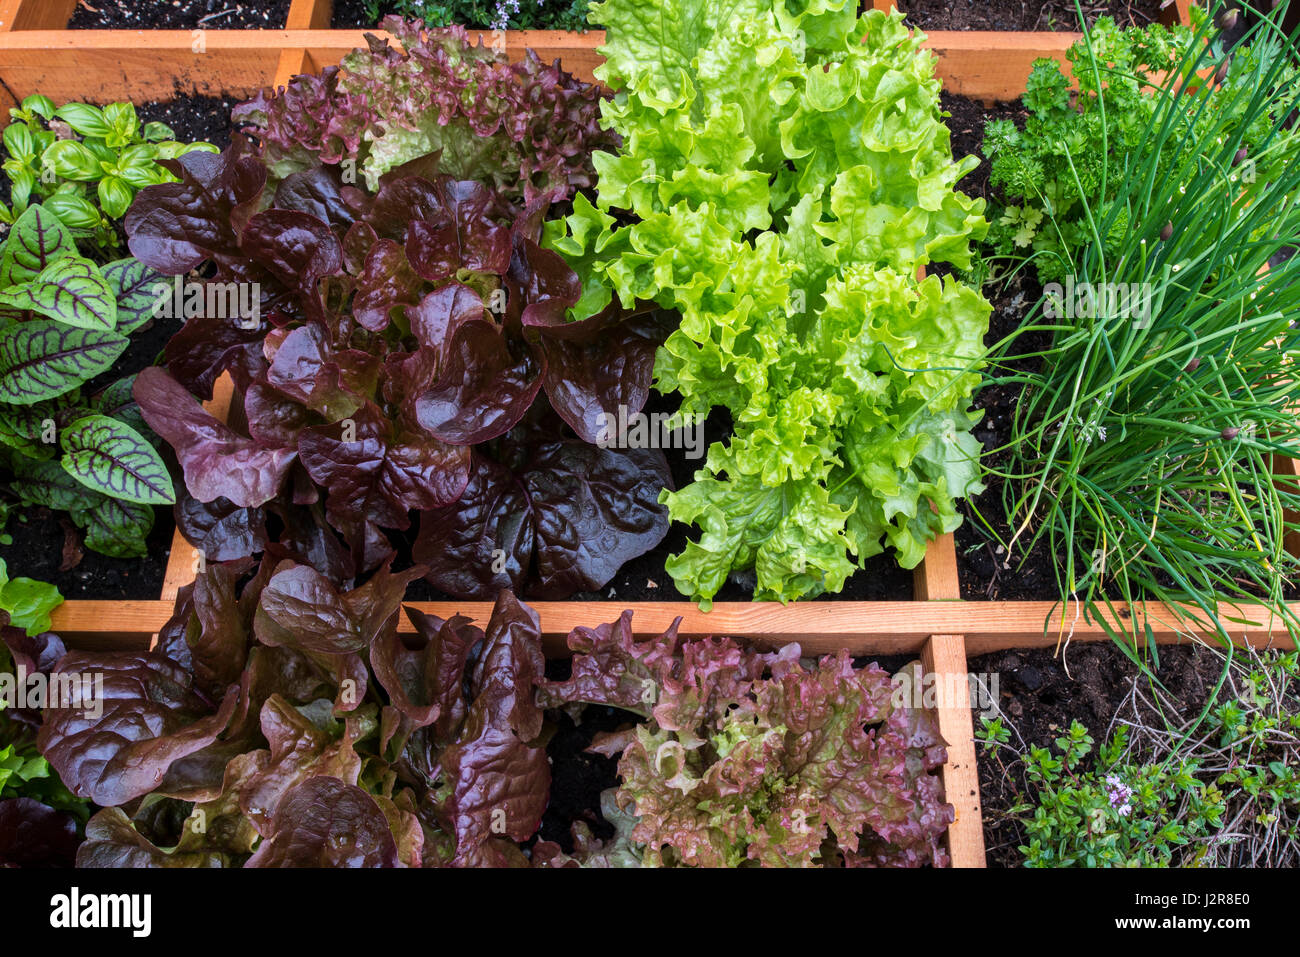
527	129
750	757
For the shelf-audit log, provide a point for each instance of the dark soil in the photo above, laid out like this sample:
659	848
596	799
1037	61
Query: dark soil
966	121
352	15
1022	15
577	777
37	551
981	561
1039	699
193	117
180	15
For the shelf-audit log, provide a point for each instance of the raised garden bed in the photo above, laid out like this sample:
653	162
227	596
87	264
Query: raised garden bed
36	53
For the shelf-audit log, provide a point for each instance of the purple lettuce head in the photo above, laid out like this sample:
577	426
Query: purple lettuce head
527	129
305	732
405	352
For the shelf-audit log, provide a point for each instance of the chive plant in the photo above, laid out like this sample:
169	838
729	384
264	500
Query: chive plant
1146	447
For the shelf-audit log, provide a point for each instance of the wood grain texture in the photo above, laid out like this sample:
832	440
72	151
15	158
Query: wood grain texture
36	53
309	15
138	65
944	656
36	14
936	577
821	627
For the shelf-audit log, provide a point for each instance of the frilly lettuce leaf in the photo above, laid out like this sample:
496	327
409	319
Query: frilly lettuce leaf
527	128
784	173
751	758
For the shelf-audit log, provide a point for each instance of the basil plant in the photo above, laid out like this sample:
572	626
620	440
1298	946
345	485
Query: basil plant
85	164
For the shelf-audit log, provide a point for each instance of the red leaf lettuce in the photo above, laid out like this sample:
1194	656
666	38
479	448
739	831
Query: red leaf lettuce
747	757
285	722
527	129
397	364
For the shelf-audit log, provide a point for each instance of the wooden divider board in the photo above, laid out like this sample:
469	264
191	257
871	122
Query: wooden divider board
821	627
944	656
37	53
106	65
309	15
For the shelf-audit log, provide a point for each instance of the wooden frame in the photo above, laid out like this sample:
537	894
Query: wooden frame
36	53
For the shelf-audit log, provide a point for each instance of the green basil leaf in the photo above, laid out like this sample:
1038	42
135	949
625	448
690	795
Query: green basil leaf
171	149
41	139
74	211
139	156
84	119
108	158
123	122
28	602
19	143
72	160
40	105
115	196
158	131
21	184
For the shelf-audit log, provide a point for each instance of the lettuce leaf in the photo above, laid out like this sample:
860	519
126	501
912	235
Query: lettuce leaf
284	722
785	221
747	757
527	128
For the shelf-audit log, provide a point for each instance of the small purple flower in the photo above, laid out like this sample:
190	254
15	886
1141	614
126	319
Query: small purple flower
1120	795
505	10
